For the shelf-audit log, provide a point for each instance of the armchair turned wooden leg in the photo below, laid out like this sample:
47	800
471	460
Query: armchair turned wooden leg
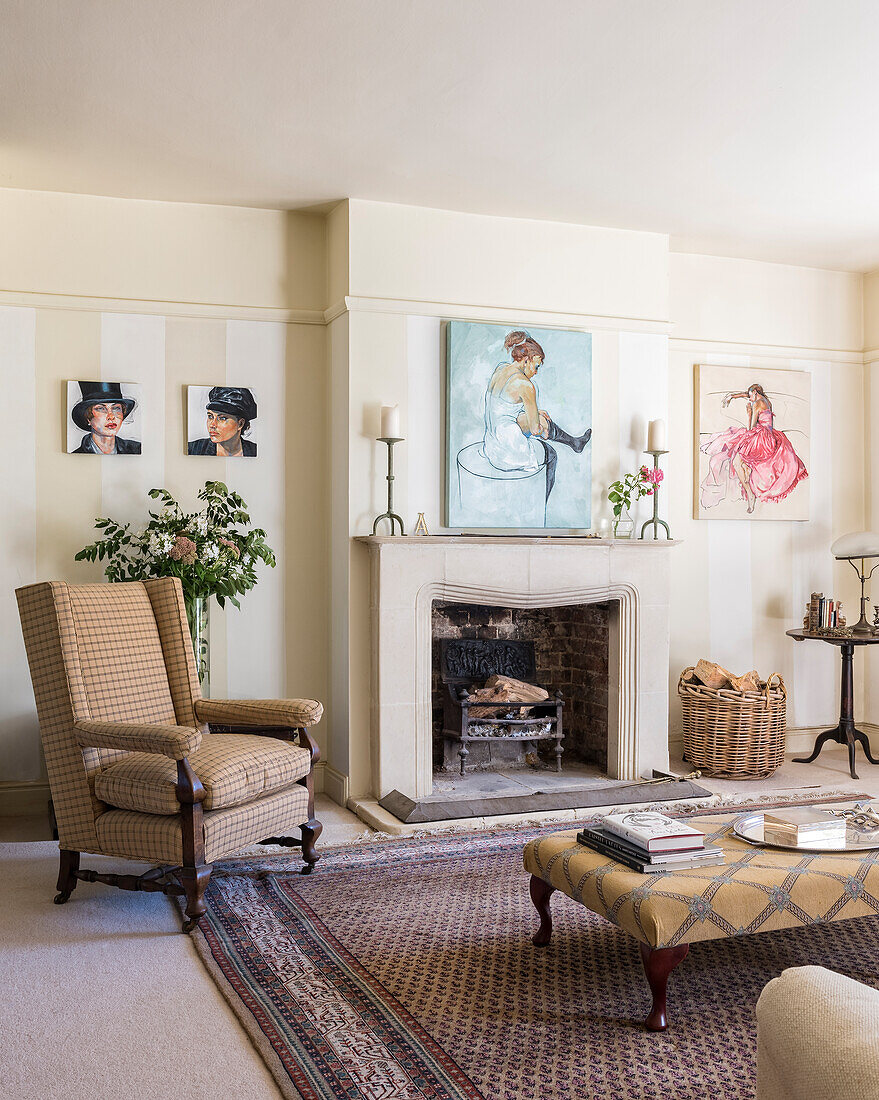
312	828
194	873
658	964
194	881
66	875
541	892
310	832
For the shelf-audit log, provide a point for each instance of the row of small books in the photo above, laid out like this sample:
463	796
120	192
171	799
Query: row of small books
802	825
650	842
823	613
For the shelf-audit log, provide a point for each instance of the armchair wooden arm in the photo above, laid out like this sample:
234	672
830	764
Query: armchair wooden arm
178	742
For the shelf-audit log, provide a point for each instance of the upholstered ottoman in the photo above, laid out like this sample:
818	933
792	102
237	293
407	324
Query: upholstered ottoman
755	890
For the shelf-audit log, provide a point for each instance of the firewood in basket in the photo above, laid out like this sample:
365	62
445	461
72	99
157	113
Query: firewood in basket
750	681
712	675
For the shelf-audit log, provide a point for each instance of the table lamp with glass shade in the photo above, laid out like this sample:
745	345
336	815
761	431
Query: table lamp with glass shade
855	549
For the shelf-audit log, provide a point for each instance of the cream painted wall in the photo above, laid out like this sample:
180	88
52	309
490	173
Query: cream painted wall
413	254
737	586
174	295
161	252
249	271
717	299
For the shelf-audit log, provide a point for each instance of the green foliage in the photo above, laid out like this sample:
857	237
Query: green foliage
211	550
630	487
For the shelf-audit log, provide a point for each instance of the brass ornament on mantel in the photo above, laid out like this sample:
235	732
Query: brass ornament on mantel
420	526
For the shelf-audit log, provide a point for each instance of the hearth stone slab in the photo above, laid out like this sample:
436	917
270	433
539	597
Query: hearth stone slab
423	811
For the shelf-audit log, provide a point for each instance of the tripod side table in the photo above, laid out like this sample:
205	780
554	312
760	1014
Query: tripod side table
845	732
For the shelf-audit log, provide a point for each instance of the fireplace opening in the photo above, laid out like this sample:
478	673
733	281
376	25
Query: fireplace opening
564	650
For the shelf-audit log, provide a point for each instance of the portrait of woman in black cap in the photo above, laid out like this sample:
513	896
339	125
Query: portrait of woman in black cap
99	409
228	413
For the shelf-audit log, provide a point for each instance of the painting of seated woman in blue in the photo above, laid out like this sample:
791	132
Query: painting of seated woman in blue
518	427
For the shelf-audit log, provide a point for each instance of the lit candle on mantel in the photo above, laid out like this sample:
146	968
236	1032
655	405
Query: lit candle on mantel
390	422
656	437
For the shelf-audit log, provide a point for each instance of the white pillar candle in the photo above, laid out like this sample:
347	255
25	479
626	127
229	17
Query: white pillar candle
656	438
390	422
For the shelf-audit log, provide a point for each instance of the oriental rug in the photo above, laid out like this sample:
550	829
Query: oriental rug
405	971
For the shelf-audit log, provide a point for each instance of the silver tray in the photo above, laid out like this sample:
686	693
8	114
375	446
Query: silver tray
749	827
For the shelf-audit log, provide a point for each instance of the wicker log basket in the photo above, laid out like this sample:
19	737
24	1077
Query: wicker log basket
733	734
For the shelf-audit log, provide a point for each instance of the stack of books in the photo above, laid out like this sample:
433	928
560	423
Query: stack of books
801	826
650	842
823	614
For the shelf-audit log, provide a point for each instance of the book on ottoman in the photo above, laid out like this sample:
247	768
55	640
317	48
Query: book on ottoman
802	824
615	847
654	832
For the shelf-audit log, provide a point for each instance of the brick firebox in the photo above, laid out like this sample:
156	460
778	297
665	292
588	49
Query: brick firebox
571	650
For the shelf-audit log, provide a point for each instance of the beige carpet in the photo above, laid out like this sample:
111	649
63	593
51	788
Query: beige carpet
103	997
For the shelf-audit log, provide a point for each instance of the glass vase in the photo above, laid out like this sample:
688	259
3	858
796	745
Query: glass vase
624	525
198	614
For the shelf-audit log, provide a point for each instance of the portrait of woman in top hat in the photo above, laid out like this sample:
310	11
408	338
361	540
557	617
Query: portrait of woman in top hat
227	413
100	410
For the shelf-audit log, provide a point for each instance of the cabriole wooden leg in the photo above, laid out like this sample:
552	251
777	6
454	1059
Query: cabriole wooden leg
66	875
658	964
541	892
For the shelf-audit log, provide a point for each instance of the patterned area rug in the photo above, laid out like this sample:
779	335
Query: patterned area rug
405	971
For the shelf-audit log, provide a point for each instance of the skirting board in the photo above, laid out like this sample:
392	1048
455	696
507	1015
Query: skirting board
24	798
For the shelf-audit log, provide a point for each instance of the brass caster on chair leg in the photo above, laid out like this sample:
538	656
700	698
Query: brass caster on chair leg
61	898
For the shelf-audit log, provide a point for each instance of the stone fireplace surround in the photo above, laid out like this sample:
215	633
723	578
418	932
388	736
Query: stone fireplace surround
408	573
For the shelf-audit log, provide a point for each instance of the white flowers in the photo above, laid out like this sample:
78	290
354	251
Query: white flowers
210	552
157	543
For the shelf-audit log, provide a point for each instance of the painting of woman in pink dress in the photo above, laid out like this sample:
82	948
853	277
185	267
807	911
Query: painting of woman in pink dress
756	463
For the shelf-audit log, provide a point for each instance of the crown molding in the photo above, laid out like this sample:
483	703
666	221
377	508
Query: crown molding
194	310
458	311
770	351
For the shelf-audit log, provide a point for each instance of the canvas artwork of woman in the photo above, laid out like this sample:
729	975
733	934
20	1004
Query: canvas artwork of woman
228	412
518	433
752	464
104	412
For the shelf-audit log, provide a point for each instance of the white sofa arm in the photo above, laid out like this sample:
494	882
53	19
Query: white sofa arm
817	1037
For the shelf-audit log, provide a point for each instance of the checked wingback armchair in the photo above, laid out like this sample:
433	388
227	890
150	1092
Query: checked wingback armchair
140	765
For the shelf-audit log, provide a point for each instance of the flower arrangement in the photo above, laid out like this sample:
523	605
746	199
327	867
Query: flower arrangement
206	549
632	487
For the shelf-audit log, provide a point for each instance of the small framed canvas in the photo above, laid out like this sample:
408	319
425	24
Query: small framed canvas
753	429
518	427
103	418
220	421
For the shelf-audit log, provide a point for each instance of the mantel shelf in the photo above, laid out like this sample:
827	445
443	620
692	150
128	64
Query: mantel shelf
518	540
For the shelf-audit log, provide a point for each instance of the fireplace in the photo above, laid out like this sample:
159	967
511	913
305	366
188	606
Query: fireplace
539	575
570	659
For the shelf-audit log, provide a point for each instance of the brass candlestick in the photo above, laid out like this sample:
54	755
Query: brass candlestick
390	514
656	522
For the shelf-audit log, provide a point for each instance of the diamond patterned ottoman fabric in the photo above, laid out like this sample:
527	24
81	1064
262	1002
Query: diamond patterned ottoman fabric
233	768
756	890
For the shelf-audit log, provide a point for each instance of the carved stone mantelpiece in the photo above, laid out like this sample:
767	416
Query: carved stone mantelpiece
409	573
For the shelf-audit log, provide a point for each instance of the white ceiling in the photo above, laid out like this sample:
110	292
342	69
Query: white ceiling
740	127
